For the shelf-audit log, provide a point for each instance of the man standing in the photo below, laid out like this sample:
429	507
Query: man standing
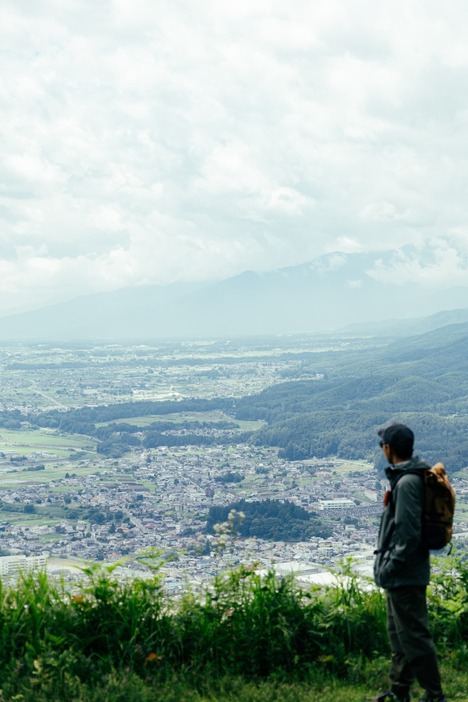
402	568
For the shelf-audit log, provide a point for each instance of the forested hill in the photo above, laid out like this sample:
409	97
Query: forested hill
422	381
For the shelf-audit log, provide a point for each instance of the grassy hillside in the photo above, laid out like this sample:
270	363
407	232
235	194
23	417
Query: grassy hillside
421	381
246	638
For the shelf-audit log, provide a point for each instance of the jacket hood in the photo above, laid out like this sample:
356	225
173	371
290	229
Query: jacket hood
412	465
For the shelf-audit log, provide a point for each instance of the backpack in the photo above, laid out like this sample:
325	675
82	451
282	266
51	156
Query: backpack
439	508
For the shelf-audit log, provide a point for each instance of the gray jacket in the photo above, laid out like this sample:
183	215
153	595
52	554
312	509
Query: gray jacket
400	558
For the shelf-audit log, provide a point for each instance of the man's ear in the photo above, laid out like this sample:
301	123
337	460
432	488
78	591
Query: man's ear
388	451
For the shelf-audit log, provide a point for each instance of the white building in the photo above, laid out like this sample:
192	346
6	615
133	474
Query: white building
339	503
12	565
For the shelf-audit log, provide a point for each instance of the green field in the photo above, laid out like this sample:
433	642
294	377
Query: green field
56	451
52	472
45	441
181	417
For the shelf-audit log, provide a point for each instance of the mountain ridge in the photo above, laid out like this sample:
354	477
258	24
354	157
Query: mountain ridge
334	291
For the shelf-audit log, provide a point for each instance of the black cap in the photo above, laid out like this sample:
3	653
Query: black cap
399	437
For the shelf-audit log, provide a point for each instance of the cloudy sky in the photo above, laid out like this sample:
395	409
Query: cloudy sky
153	142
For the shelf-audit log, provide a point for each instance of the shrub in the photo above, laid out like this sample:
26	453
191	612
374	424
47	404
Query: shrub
244	625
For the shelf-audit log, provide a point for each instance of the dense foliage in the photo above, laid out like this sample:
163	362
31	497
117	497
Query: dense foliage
271	520
108	413
56	645
422	382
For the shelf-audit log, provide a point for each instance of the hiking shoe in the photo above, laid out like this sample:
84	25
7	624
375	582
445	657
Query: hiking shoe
389	696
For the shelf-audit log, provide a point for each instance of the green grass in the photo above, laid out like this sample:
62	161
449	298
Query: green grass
330	689
23	441
52	471
53	449
244	639
128	687
181	417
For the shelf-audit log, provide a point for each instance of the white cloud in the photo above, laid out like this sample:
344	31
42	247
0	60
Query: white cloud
437	263
288	200
164	141
108	218
380	211
347	244
31	167
354	284
230	168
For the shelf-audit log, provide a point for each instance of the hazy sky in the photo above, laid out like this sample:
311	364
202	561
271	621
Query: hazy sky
150	141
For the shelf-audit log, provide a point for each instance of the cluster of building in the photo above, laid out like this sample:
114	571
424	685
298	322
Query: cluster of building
156	505
151	506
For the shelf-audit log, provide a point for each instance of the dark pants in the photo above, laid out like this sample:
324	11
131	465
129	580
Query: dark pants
413	654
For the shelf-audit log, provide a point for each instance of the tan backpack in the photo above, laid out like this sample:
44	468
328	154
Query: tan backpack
439	508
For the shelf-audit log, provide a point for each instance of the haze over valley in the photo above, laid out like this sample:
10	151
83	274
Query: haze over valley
333	291
111	449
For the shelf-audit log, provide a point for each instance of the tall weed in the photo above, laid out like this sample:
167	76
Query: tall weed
243	626
448	602
355	618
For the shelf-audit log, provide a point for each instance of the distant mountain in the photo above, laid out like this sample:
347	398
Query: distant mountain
327	293
405	327
435	353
